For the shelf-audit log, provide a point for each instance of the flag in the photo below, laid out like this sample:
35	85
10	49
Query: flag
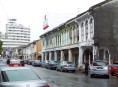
45	23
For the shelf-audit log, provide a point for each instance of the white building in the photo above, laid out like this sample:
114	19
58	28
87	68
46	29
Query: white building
16	35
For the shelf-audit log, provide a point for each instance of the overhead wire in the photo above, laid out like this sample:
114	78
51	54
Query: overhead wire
4	9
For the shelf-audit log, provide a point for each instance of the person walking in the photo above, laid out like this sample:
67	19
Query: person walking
86	68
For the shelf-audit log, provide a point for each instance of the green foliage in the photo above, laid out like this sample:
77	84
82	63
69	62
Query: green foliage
1	43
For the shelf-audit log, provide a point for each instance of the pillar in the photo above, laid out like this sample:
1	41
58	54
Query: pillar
45	55
50	56
62	55
42	56
80	56
55	55
70	55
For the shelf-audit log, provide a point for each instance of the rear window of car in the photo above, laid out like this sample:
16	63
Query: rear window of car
14	61
69	63
114	65
19	75
99	64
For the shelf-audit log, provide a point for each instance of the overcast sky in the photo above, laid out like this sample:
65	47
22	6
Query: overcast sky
31	13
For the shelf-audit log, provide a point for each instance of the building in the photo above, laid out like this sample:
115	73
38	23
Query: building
16	35
61	43
89	36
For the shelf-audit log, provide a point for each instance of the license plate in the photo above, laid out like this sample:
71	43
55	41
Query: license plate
99	68
15	65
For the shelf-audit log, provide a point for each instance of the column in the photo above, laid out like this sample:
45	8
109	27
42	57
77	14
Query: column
62	55
109	58
70	55
93	53
50	56
80	56
45	55
72	36
55	55
42	56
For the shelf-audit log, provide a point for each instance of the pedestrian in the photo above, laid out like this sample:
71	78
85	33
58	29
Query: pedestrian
86	68
8	61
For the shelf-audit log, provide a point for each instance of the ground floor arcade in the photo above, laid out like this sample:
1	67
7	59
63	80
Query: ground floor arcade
77	55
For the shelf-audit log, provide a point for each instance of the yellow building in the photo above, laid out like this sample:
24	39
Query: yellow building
38	49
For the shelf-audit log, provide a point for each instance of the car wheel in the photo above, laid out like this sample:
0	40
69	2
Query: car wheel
91	75
56	69
61	70
112	73
107	76
73	71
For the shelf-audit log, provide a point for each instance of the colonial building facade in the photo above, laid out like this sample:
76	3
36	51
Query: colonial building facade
61	43
89	36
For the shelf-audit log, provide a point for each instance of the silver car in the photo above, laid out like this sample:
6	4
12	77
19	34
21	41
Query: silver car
99	68
20	77
66	66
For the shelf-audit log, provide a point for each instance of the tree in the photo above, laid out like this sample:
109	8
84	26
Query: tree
1	43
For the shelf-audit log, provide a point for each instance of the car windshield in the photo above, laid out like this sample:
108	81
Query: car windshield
19	75
99	64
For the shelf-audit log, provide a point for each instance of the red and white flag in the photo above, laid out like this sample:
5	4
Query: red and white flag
45	23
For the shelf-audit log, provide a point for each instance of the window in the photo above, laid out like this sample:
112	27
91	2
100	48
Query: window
82	31
86	29
91	27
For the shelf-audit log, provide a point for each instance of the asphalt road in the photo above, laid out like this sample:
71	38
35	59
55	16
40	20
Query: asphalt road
69	79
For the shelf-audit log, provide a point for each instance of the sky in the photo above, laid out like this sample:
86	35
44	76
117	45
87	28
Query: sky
31	13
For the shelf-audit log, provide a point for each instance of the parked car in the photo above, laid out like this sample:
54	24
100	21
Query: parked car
36	63
14	62
99	68
45	63
116	72
30	61
112	68
52	65
20	77
66	66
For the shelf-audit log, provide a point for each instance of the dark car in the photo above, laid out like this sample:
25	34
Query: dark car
22	62
45	63
36	63
30	62
52	65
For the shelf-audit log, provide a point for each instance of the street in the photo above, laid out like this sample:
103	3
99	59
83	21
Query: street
68	79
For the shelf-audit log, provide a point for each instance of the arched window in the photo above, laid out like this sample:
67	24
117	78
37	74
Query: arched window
86	29
82	31
91	27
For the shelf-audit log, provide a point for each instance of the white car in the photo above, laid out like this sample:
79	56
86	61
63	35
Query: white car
99	68
20	77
